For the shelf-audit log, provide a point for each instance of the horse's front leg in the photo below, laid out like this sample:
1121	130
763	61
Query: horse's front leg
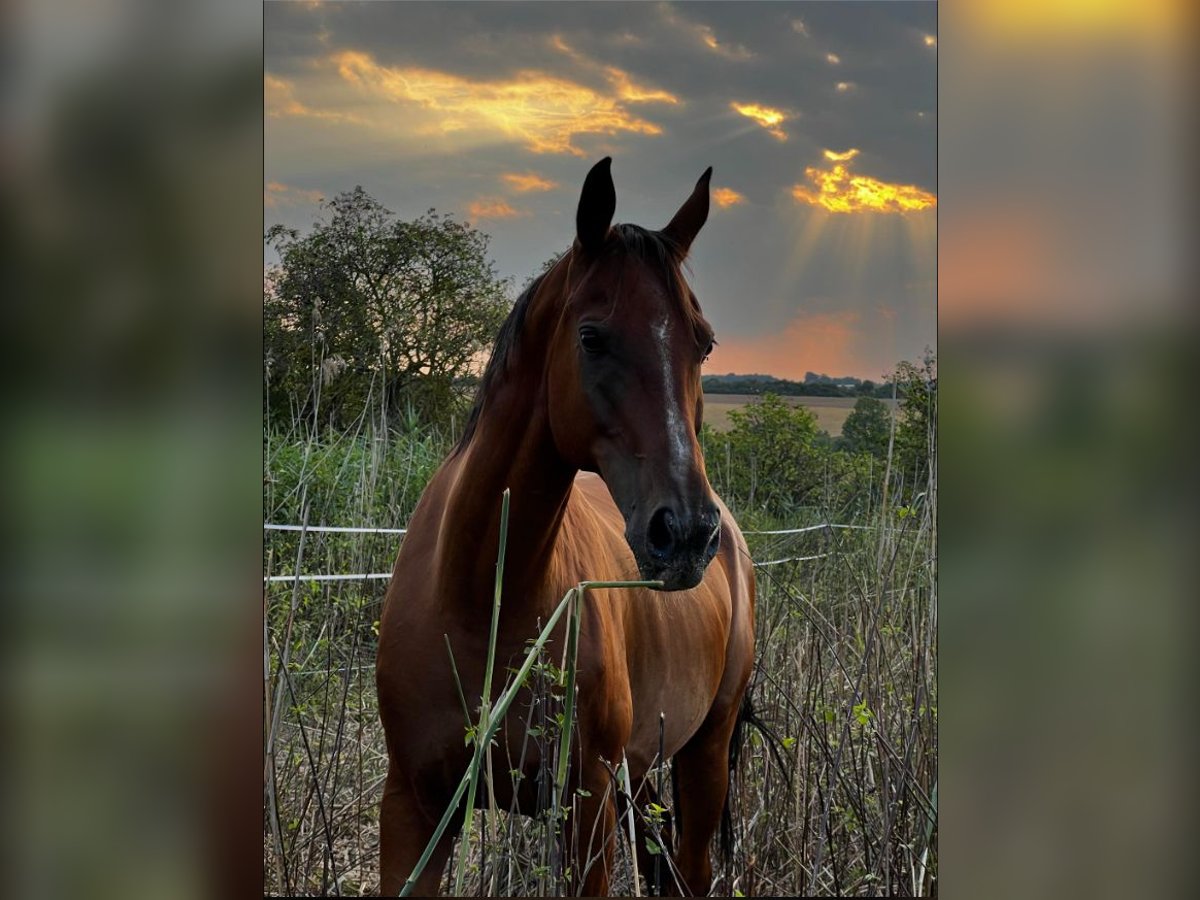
404	832
590	833
702	780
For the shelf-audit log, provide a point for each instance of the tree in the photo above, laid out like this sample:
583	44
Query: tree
916	427
867	428
777	447
366	314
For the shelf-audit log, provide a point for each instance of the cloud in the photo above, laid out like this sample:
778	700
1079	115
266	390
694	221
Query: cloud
811	342
765	116
833	59
844	86
838	191
493	208
845	156
279	101
277	194
724	197
705	35
635	93
524	182
543	112
621	80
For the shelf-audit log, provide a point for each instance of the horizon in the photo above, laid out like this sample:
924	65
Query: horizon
819	121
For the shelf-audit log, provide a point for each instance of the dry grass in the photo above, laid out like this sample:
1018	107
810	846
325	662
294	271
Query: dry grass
841	800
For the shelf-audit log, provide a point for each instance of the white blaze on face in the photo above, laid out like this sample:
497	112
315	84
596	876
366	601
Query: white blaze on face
677	435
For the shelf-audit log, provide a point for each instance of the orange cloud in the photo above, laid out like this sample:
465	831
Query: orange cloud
279	100
621	80
765	116
493	208
631	92
836	190
834	156
524	182
705	35
816	342
724	197
277	194
542	111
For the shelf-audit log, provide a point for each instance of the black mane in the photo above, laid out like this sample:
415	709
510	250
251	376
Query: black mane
506	341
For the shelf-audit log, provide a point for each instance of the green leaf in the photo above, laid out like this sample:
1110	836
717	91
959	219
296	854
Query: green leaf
861	712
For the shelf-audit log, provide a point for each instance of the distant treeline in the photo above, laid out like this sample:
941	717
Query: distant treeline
812	386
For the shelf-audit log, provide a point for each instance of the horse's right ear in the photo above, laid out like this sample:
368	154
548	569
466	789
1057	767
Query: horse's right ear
597	203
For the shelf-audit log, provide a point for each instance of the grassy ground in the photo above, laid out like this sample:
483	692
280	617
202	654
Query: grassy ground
842	802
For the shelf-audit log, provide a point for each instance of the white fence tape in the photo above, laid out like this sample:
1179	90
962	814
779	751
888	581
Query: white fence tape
810	528
776	562
279	579
275	579
267	526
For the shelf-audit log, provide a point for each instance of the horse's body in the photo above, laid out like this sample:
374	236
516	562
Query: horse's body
548	408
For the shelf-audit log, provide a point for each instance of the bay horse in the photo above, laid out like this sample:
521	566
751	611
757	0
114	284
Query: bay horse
589	411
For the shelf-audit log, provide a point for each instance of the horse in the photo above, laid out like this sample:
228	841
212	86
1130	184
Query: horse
589	411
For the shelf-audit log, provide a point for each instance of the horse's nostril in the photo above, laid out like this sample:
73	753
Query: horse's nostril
714	544
660	536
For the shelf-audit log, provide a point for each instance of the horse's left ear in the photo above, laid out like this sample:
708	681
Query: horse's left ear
691	217
597	203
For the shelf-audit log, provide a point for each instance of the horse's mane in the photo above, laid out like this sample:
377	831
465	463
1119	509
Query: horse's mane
506	341
651	247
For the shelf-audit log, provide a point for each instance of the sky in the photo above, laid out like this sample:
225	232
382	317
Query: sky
819	120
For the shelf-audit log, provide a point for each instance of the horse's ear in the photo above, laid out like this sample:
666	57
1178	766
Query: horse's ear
692	215
597	203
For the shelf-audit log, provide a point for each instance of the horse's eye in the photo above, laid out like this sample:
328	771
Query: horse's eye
708	350
591	340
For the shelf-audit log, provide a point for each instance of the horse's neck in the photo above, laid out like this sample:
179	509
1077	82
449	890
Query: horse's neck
511	448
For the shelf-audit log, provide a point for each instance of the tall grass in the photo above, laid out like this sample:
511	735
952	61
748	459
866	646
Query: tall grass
836	796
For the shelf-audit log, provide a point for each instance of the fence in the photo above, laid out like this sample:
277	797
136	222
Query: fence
837	796
376	576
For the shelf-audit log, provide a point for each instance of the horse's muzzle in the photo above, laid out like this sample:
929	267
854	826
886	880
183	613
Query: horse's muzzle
677	546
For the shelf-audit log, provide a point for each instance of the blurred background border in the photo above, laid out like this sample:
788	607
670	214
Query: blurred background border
132	188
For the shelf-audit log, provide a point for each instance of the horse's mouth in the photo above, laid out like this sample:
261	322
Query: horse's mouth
677	575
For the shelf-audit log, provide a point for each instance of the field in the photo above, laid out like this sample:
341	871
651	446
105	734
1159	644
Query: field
837	796
831	412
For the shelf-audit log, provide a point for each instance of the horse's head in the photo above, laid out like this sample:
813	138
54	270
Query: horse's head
624	379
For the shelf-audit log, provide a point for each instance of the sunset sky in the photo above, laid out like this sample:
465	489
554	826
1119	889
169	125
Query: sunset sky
819	119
